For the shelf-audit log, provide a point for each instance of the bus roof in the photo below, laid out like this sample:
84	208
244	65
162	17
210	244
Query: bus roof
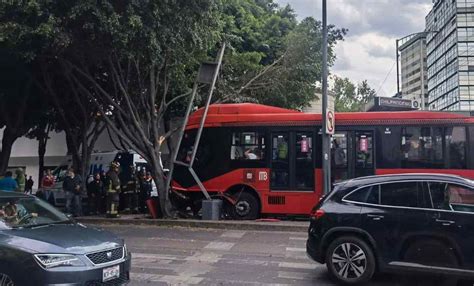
250	114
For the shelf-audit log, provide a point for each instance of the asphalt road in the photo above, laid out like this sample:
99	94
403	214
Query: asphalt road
182	256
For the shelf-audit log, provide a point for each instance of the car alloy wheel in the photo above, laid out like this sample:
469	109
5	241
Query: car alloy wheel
5	280
349	261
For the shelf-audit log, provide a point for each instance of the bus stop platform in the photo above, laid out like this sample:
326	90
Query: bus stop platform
262	225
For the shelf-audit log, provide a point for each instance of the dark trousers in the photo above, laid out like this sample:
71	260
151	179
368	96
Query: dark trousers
131	201
94	203
74	203
103	203
113	200
143	196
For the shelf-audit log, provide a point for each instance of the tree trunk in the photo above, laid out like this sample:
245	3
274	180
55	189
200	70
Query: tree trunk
159	178
42	142
73	150
8	139
85	156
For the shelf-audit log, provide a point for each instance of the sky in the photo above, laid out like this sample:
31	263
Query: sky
368	51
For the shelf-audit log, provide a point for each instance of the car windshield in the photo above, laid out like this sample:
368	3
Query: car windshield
24	212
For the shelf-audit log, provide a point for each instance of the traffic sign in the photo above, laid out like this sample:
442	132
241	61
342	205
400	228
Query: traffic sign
330	122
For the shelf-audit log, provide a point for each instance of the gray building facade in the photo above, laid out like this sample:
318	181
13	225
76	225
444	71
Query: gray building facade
414	70
450	55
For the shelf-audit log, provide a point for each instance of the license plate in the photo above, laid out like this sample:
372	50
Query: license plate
110	273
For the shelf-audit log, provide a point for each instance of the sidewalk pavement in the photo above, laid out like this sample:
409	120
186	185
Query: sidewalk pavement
263	225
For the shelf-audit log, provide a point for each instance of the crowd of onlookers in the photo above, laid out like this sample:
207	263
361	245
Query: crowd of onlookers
135	189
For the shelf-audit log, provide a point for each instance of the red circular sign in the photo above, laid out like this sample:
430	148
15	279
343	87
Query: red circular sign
330	121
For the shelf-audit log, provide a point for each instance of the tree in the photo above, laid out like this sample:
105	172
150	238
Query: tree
76	114
349	97
274	60
44	124
19	102
365	94
132	60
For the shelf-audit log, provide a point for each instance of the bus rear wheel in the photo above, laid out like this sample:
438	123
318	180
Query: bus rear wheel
246	207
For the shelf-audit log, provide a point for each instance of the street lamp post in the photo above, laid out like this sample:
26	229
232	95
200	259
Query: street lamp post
324	134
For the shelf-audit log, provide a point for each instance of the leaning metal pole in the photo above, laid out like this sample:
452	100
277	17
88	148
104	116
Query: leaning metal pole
326	144
206	107
203	120
174	155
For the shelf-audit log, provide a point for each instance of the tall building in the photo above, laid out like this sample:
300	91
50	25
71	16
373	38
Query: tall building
413	69
450	49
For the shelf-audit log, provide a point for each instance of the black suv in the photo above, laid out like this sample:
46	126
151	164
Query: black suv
407	222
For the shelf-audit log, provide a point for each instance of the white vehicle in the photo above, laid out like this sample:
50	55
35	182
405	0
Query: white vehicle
99	163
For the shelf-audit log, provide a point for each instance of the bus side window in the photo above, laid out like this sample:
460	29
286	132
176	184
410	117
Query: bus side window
456	142
422	147
247	146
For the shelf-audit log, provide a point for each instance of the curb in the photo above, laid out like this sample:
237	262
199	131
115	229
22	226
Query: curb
287	226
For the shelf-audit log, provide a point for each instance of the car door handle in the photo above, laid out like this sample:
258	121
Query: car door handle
375	217
445	222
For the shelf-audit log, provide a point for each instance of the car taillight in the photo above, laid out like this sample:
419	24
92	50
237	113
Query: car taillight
317	214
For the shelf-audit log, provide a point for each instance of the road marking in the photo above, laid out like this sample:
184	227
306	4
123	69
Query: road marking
153	256
204	257
233	234
293	275
296	249
298	238
297	255
168	279
297	265
216	245
208	281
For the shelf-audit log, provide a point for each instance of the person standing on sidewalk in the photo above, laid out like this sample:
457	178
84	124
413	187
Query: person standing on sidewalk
47	183
145	190
7	183
129	190
72	188
20	180
113	190
94	192
29	186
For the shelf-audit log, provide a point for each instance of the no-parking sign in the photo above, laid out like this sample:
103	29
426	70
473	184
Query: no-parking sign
330	122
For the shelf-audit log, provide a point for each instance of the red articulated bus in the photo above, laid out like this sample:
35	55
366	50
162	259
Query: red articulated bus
264	160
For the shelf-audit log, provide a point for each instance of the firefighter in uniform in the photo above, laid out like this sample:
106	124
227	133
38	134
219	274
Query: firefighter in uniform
113	190
130	192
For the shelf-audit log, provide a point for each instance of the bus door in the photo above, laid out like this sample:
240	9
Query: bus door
364	154
292	162
352	155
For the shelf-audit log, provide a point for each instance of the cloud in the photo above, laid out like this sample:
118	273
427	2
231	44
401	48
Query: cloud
356	60
390	17
368	51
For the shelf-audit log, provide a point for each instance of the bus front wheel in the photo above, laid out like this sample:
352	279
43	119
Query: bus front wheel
246	207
